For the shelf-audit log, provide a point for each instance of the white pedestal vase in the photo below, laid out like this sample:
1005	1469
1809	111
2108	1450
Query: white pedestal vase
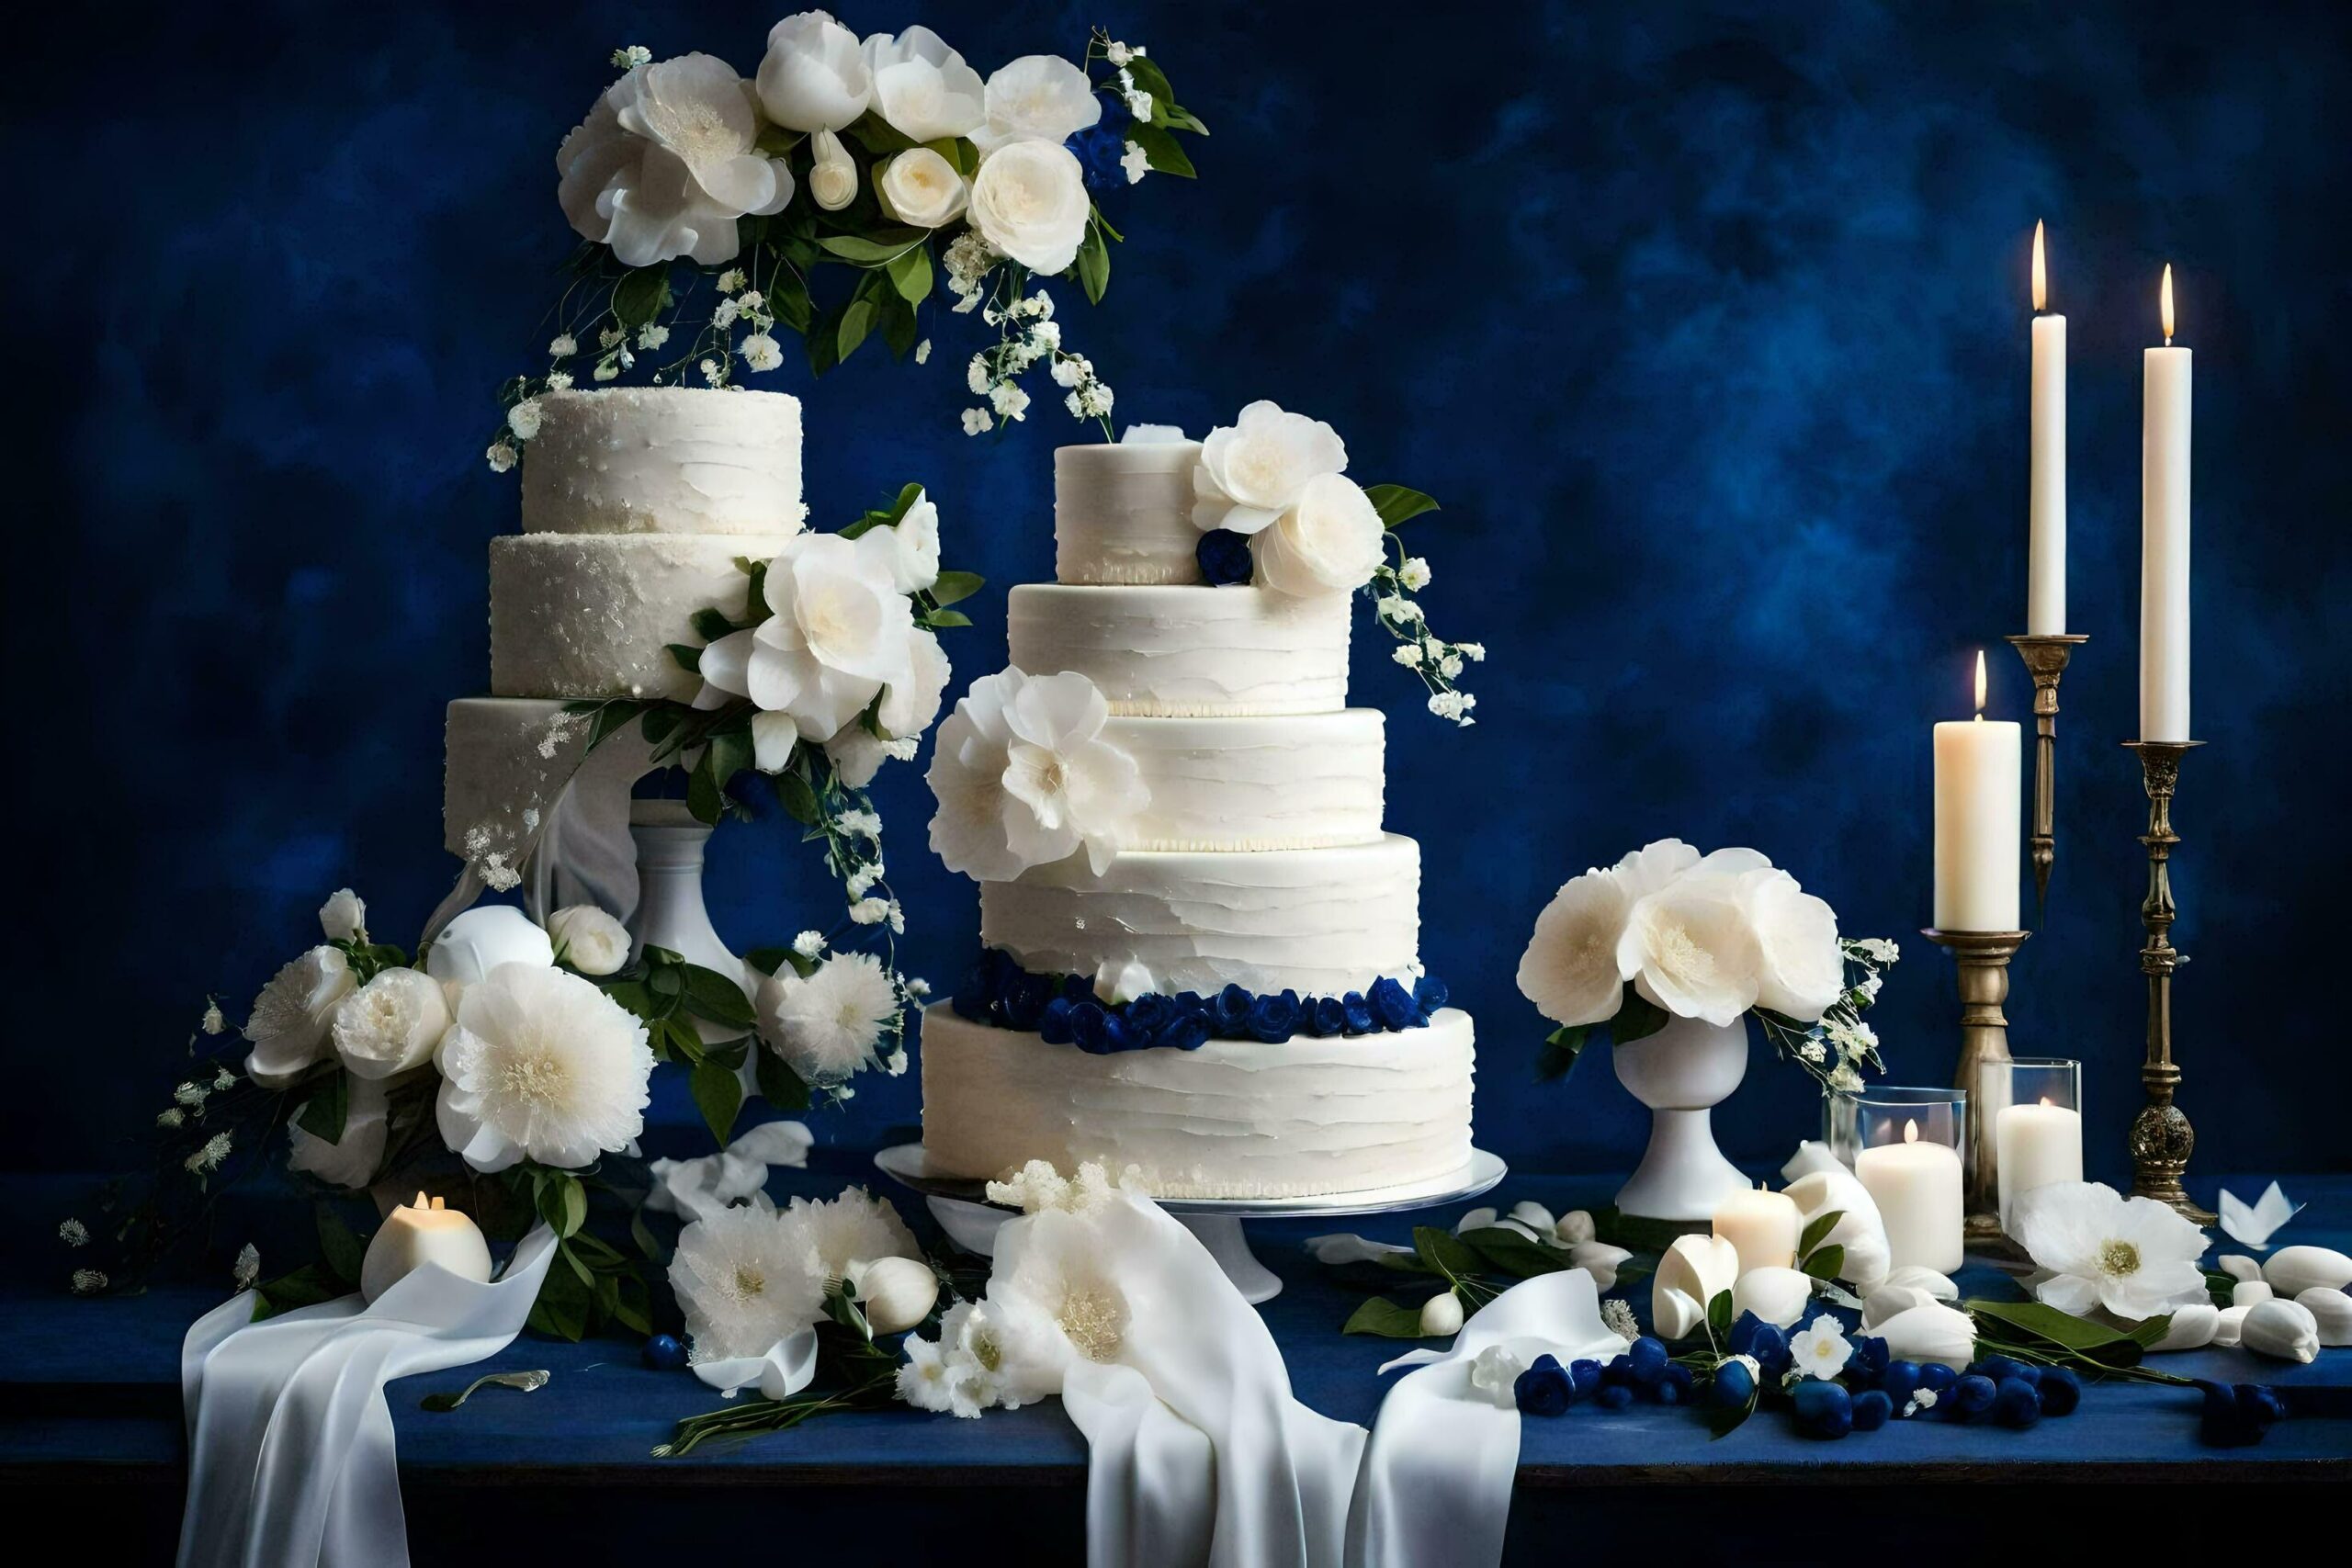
669	911
1682	1073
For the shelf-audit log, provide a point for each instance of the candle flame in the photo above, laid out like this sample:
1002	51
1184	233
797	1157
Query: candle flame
1980	682
2165	296
1910	1132
437	1203
2040	271
420	1203
2045	1099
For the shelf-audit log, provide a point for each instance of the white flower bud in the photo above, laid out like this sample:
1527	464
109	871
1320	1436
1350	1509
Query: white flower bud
832	177
2192	1329
1918	1277
344	917
2331	1311
590	939
895	1293
1475	1220
2294	1270
1440	1315
1600	1261
2250	1292
2238	1266
1534	1216
1674	1314
1574	1226
2284	1329
1776	1295
2228	1327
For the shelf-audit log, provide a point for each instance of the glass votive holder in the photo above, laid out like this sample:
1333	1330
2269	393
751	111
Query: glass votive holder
2033	1108
1906	1146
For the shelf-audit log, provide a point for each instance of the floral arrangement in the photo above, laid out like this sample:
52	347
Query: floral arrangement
711	209
1668	932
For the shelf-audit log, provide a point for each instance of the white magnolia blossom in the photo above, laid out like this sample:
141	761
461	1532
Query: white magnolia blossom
1691	949
907	708
1023	777
2133	1257
923	89
1258	468
1329	541
826	1027
1029	200
592	940
920	187
814	76
1569	970
541	1066
352	1160
666	162
745	1279
288	1028
1038	97
833	173
394	1022
1690	1274
838	632
344	917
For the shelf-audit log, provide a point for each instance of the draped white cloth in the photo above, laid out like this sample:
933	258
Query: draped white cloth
290	1457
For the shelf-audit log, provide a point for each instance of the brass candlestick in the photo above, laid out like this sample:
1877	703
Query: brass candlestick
1984	959
2045	657
2161	1135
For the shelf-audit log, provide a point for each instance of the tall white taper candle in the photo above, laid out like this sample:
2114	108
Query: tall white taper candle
2163	538
2045	595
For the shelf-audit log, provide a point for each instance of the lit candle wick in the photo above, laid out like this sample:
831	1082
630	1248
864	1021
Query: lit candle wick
1980	686
1910	1132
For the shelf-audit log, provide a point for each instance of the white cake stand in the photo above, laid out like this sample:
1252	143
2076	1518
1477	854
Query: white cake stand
962	1208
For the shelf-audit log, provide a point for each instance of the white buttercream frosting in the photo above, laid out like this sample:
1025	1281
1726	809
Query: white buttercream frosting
1187	650
1231	1120
1124	513
1321	922
663	460
1255	783
591	614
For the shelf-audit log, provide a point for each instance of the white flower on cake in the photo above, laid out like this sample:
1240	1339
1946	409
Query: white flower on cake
541	1066
344	917
1256	469
745	1279
350	1162
1329	541
1038	97
920	187
2134	1256
1569	970
814	76
1029	200
1691	949
840	630
666	162
923	89
392	1024
590	939
833	173
1024	778
854	1228
289	1025
826	1027
482	939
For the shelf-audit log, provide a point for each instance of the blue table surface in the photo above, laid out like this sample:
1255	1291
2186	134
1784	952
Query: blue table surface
95	1383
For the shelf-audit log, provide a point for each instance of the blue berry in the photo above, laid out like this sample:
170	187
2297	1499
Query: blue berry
1586	1375
1614	1396
1647	1360
1871	1410
2016	1403
2062	1391
1544	1389
1824	1409
1938	1378
1972	1395
1618	1372
665	1353
1900	1378
1734	1384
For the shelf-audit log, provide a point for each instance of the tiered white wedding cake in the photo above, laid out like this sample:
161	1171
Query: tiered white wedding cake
1224	988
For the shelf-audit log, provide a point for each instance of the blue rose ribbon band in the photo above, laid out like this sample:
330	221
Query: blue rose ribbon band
1063	1010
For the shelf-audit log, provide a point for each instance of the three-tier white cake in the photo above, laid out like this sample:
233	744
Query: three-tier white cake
1260	862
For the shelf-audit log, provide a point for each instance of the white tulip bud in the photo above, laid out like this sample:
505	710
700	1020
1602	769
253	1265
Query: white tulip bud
1534	1216
2192	1329
1776	1295
896	1294
1920	1277
2238	1266
344	917
2228	1327
1890	1300
2294	1270
1475	1220
1929	1332
1601	1261
2331	1311
833	178
2250	1292
1441	1314
1574	1226
2284	1329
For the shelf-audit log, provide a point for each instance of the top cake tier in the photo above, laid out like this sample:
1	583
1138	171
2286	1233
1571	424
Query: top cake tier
1124	513
665	460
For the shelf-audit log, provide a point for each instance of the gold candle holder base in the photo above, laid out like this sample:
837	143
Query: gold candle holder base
2161	1138
1984	960
2045	658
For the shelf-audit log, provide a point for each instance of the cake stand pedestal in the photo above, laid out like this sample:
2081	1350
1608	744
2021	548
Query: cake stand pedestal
962	1208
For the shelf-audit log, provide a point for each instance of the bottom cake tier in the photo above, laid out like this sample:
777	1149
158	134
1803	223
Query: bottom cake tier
1234	1119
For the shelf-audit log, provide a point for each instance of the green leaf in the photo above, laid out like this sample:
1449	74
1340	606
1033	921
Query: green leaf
710	626
563	1203
1159	149
953	586
611	718
1825	1264
711	995
731	753
561	1309
788	297
719	1095
779	1085
1819	1229
899	325
684	656
2038	1320
1637	1019
328	1108
306	1286
661	723
340	1247
1719	1319
1561	1048
1382	1316
1093	264
799	802
961	154
1396	504
1513	1253
939	618
857	320
639	297
910	273
866	252
1723	1420
635	996
703	797
1444	1251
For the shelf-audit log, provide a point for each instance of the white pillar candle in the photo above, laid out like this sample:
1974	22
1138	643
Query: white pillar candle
1761	1226
2045	594
1979	814
2035	1145
2163	538
415	1235
1916	1187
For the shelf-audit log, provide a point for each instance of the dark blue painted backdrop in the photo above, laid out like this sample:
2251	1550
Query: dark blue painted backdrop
1707	323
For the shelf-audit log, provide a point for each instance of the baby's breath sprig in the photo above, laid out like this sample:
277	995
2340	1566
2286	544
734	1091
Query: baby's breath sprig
1840	1047
1438	664
1027	335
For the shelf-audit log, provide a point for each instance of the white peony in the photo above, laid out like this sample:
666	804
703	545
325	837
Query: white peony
813	76
839	632
1029	200
1569	970
2134	1256
666	162
854	1228
351	1161
541	1066
914	542
482	938
1691	949
1023	777
1329	541
1038	97
923	89
920	187
394	1022
826	1026
1256	469
590	939
745	1279
832	177
1800	968
288	1024
344	917
907	709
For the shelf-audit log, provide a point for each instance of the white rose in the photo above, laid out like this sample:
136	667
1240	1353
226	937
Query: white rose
1253	471
814	76
840	631
915	539
482	939
1569	970
1689	948
351	1161
1038	97
288	1028
665	162
920	187
923	89
590	939
1029	201
832	174
394	1022
1329	542
344	917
